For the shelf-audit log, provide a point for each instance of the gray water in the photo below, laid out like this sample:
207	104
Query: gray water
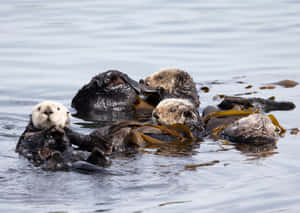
49	49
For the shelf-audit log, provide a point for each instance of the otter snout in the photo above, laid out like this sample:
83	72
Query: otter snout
48	111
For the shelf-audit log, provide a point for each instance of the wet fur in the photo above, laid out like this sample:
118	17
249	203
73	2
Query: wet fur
174	83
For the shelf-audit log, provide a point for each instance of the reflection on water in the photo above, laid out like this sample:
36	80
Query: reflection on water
50	49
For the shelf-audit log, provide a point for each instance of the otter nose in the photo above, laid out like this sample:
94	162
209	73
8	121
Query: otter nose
48	112
155	115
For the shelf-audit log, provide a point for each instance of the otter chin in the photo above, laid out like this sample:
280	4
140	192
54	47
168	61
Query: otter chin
50	114
171	83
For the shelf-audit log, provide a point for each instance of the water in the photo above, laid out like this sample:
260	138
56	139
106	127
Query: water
49	49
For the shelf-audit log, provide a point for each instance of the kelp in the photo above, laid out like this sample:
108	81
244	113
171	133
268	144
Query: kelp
276	123
194	166
227	113
140	104
150	134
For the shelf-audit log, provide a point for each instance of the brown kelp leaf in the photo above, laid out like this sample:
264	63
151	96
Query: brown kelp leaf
194	166
287	83
294	131
205	89
245	93
226	113
276	123
184	130
272	98
268	87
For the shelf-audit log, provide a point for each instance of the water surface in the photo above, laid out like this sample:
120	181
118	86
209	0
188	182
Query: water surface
49	49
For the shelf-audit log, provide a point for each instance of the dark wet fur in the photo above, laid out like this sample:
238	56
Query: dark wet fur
259	103
98	96
51	149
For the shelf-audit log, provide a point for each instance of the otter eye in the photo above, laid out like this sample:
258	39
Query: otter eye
172	110
58	108
187	114
39	108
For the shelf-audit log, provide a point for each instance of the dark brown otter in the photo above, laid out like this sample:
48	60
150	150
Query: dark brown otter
108	96
261	104
51	149
44	142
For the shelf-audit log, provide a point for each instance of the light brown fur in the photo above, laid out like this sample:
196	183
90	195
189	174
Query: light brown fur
176	82
174	110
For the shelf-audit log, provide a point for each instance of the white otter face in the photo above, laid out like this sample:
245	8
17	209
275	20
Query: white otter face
48	114
174	110
163	79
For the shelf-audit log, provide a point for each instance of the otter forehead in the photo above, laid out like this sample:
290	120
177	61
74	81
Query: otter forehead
168	71
49	104
165	78
175	102
50	113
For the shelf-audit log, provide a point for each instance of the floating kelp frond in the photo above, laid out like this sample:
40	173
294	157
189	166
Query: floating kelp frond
157	134
227	113
294	131
267	87
140	104
194	166
205	89
287	83
276	123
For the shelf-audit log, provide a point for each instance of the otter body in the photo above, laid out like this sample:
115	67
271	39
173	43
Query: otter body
239	120
45	143
109	95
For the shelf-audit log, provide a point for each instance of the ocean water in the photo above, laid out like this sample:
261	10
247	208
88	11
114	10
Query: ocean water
49	49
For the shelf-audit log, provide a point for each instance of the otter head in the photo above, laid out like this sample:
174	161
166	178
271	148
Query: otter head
48	114
166	79
174	110
173	83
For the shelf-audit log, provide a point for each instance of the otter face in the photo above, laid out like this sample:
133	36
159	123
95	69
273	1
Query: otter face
48	114
174	110
163	79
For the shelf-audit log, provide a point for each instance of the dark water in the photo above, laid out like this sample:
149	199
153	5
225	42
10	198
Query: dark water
49	49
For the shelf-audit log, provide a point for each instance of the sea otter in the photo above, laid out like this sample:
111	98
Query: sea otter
243	120
175	121
108	96
169	83
45	144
